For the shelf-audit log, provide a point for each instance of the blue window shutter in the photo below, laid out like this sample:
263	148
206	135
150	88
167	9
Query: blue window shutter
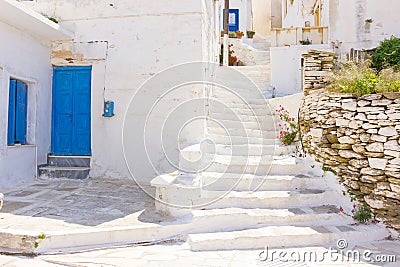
21	113
11	113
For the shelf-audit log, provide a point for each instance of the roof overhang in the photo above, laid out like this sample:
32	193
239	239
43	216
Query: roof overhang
25	19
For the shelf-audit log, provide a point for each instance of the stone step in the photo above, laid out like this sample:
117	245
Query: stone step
230	115
68	161
251	149
236	102
242	89
247	182
54	172
254	94
274	167
239	140
285	236
215	199
239	159
230	219
242	125
246	110
242	132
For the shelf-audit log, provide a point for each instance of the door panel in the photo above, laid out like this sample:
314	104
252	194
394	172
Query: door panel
71	111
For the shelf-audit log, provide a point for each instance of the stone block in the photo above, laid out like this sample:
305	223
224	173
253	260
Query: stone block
341	146
352	106
359	163
363	103
392	145
348	154
379	138
372	172
375	147
360	149
377	163
381	102
374	154
355	124
346	140
391	153
387	131
371	97
340	122
367	126
365	137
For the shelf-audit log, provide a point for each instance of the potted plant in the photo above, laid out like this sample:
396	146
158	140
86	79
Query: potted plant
305	42
367	25
232	35
250	34
239	34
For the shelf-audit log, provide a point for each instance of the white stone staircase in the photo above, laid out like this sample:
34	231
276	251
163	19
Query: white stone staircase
256	57
253	192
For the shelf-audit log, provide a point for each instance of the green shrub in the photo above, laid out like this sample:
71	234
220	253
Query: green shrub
361	79
363	214
387	55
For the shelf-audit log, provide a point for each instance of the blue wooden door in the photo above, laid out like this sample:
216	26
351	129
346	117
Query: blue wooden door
233	22
71	123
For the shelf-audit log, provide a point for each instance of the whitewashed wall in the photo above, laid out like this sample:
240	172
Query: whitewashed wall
127	42
348	22
286	73
25	58
297	13
262	20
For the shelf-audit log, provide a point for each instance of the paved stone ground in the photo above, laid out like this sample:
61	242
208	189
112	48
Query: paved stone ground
179	255
69	204
63	204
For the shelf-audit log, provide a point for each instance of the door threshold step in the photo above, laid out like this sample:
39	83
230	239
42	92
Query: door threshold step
61	168
69	161
55	172
79	157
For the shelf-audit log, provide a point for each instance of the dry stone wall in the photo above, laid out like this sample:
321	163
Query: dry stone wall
358	138
316	68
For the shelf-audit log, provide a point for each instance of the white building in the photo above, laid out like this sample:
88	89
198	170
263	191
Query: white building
25	110
335	25
254	15
115	48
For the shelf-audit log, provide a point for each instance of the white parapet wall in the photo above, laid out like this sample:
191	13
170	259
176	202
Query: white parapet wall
286	70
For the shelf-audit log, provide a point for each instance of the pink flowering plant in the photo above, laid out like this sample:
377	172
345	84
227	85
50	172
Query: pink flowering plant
360	212
288	127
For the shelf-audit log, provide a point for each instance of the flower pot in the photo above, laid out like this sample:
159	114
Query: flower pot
250	34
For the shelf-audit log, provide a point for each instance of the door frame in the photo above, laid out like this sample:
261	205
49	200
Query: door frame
61	68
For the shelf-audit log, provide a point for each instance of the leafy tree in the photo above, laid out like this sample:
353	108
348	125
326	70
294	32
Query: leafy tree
387	55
